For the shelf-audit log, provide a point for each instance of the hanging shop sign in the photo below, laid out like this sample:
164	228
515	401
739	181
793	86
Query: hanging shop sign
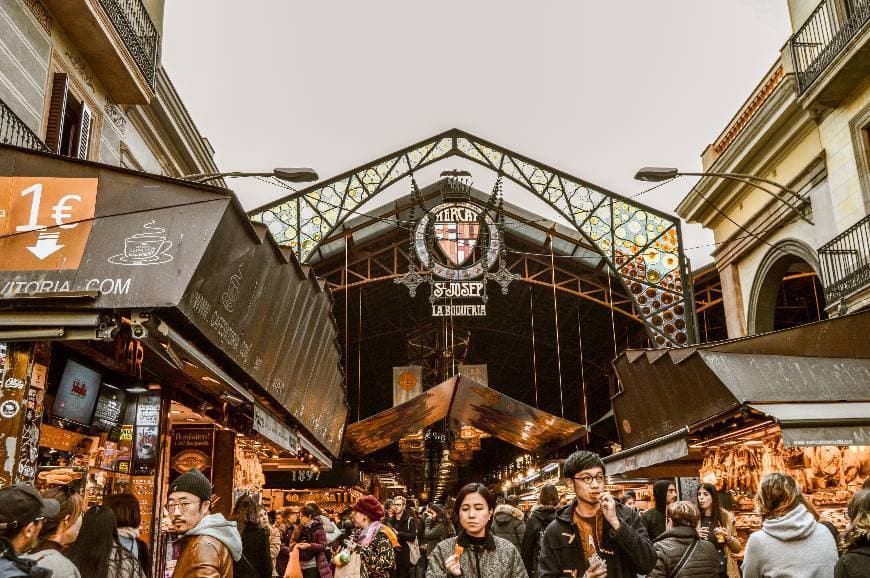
457	242
274	430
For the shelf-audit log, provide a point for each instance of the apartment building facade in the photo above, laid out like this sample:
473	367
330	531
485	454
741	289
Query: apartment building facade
83	78
787	257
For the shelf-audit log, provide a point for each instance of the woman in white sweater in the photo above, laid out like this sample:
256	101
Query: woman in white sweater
791	542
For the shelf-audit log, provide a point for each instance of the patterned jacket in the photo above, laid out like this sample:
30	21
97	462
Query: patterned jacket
498	558
378	558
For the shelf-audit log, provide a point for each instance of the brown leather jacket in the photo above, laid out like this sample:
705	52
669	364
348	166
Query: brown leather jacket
204	557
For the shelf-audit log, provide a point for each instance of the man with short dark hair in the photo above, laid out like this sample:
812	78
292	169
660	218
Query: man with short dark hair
405	526
22	513
654	520
594	536
210	544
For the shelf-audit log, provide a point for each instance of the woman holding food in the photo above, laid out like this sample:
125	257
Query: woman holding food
475	552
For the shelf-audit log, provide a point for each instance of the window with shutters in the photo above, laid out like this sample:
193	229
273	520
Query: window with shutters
70	128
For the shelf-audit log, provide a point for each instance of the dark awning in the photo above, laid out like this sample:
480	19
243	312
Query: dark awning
808	377
184	252
472	404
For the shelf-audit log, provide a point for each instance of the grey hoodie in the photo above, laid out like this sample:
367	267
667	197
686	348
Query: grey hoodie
790	546
216	526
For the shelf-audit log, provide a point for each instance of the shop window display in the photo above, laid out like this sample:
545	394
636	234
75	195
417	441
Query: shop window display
827	475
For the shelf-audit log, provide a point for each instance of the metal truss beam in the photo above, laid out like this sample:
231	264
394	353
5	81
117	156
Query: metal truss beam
641	245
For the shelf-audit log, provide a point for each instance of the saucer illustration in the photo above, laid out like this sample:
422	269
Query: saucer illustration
150	247
123	259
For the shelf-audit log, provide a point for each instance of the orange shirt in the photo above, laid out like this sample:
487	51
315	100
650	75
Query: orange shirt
590	530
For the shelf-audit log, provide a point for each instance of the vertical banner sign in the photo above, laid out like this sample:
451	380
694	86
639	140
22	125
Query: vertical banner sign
147	439
407	383
45	222
191	447
477	373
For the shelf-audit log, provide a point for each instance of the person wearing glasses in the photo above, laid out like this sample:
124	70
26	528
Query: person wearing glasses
22	514
210	544
594	536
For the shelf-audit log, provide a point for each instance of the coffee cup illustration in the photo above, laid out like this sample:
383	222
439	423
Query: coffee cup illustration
150	247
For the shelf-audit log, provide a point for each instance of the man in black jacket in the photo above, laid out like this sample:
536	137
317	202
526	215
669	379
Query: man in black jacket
654	520
405	525
593	536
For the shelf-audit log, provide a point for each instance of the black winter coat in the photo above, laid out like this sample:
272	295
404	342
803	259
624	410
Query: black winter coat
627	552
854	563
406	531
538	520
670	547
255	548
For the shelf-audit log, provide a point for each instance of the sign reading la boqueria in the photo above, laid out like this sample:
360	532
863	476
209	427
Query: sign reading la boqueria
457	243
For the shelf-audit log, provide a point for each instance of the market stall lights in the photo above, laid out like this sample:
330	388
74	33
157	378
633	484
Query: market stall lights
209	379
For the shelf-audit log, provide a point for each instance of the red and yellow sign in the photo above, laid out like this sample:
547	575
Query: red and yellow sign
45	222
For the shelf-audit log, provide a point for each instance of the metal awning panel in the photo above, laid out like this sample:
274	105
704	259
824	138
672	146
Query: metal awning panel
510	420
469	403
820	424
666	449
851	435
190	254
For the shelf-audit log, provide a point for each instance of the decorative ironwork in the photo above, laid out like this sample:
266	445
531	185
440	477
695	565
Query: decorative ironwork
138	32
845	261
824	35
14	132
642	245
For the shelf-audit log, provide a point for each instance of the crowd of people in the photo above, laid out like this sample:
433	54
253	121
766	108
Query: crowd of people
479	535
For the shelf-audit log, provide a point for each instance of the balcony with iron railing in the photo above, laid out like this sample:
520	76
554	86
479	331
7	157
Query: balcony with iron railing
834	32
119	42
845	262
14	132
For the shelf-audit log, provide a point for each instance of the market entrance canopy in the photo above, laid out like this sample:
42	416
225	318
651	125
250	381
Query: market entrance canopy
812	380
469	403
83	241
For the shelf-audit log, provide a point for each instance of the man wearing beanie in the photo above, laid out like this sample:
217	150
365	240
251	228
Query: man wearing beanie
210	543
594	536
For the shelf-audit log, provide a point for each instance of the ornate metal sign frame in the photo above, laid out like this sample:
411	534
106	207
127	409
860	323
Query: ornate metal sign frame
642	246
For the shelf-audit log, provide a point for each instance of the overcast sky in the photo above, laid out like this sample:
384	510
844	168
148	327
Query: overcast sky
596	89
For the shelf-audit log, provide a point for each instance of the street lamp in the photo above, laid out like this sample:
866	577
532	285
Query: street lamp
659	174
291	175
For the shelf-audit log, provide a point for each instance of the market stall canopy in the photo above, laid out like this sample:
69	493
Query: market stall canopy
470	403
814	380
99	238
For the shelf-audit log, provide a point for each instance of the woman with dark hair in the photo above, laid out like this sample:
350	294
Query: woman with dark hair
475	551
97	552
256	561
126	510
855	561
791	542
59	532
542	515
436	527
717	526
312	544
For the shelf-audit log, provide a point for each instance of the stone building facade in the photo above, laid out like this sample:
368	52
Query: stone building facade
805	126
83	78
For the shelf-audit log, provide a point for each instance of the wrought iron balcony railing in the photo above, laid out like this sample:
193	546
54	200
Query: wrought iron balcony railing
14	132
825	33
845	261
138	32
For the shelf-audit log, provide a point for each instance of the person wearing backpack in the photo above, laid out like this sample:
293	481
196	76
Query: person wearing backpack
680	552
542	515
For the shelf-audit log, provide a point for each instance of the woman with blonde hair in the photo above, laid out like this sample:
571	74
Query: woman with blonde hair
855	561
791	542
59	532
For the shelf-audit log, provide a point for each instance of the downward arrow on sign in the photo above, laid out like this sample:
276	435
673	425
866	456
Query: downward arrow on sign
45	246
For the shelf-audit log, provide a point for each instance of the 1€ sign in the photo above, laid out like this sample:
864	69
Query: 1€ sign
45	222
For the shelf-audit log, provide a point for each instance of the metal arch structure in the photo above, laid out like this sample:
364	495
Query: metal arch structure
642	246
